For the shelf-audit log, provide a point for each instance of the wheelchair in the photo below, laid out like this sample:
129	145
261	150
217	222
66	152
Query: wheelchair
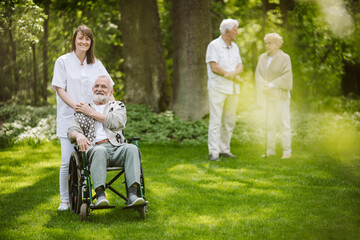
80	186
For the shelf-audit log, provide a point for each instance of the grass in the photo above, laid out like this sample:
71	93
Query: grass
314	195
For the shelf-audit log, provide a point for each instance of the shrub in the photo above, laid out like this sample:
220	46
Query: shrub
22	123
164	127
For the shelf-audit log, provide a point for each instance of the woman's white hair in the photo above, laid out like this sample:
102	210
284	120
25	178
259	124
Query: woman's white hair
228	24
274	37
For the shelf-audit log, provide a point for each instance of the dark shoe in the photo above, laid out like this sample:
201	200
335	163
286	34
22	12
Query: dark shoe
230	155
101	198
213	157
133	199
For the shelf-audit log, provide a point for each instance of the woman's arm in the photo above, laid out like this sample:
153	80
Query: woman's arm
65	97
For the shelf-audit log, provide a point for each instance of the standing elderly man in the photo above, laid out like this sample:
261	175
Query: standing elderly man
274	79
223	66
97	129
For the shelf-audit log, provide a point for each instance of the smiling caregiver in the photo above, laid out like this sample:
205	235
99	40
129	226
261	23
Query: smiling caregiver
74	75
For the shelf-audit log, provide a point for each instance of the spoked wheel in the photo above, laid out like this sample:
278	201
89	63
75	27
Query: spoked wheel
75	194
142	180
84	212
143	209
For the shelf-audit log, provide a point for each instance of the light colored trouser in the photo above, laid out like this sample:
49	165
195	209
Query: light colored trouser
66	149
278	118
105	154
222	121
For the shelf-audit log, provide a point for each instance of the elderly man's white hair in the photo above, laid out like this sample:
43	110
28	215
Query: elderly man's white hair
274	37
110	82
228	24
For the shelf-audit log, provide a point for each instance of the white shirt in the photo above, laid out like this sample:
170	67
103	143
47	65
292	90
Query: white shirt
100	133
228	58
77	80
269	61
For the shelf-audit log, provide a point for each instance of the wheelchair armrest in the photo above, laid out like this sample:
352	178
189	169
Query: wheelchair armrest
132	139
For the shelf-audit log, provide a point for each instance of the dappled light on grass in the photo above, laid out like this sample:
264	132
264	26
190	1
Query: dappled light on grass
226	186
191	172
24	168
308	196
256	192
161	190
194	220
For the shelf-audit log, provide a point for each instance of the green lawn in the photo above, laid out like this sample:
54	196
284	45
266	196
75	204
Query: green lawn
314	195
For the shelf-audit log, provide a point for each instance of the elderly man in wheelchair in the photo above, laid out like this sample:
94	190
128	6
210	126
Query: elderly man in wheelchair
97	129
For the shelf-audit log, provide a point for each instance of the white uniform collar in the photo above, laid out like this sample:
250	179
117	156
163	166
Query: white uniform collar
77	59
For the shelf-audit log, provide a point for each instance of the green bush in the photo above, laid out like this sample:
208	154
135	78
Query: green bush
24	124
164	127
336	104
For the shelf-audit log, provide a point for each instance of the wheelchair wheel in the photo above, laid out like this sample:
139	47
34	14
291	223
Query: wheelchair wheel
75	191
142	212
142	181
84	212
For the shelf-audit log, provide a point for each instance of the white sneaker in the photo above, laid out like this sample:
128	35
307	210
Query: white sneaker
102	201
136	201
63	207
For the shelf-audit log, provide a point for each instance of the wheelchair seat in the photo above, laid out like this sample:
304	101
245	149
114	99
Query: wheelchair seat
110	169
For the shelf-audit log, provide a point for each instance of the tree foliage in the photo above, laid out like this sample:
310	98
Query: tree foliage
325	53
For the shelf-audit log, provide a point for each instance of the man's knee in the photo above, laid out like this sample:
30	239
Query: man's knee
98	153
132	149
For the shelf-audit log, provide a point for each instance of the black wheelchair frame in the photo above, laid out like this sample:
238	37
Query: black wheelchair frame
80	186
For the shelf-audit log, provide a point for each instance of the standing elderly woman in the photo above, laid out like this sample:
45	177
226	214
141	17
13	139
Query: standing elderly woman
74	75
274	81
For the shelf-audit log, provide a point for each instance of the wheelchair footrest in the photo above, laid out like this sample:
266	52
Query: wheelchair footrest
102	207
135	206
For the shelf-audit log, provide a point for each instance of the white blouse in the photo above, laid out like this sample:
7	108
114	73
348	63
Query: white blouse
77	80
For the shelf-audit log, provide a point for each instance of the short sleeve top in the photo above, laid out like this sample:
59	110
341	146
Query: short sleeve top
77	80
228	57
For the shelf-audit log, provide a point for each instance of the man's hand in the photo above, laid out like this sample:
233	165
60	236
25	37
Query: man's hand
229	75
238	79
82	142
84	108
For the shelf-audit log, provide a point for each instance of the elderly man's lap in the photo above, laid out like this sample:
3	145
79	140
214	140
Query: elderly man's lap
121	154
126	156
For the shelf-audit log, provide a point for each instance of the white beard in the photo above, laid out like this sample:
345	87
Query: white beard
101	98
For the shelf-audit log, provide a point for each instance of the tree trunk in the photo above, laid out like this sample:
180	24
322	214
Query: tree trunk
191	35
34	74
285	7
144	62
350	83
16	84
45	54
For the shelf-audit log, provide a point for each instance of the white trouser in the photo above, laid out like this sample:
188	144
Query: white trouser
278	119
66	149
222	121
